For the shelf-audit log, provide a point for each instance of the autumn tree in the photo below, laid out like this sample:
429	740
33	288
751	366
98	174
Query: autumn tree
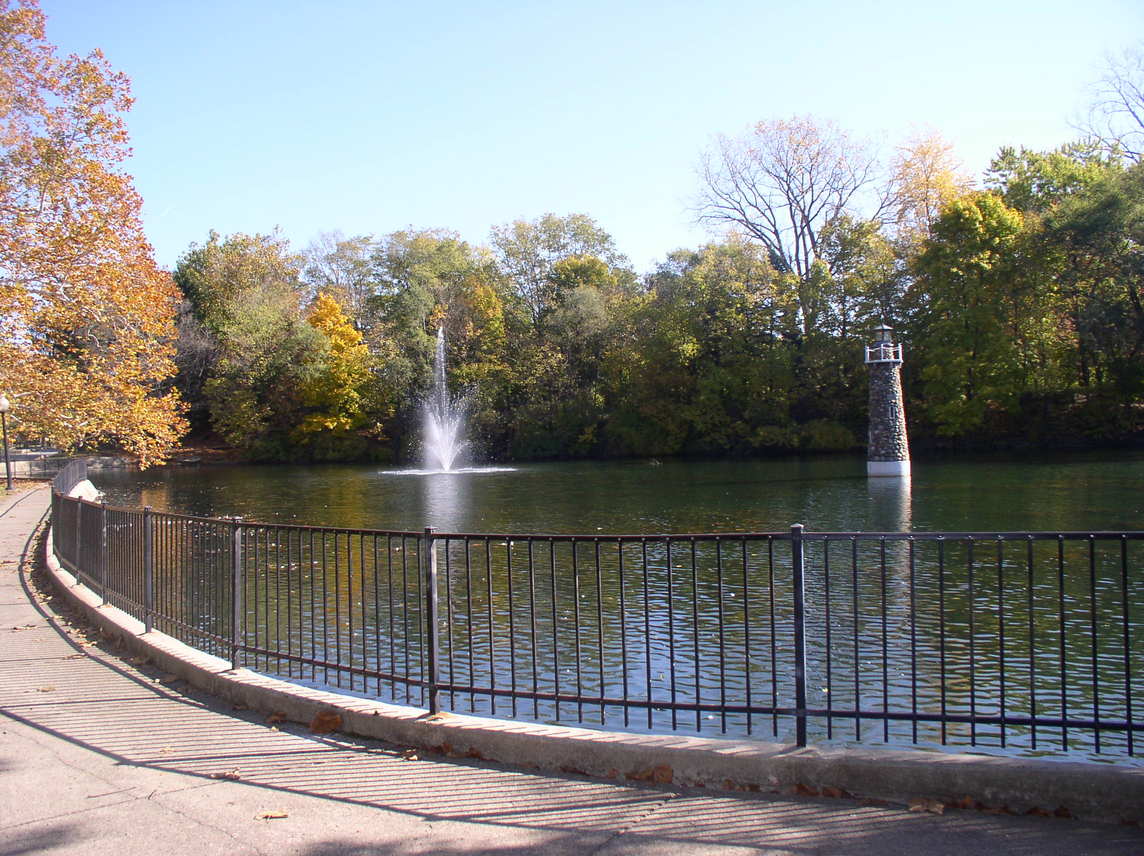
781	183
926	177
86	318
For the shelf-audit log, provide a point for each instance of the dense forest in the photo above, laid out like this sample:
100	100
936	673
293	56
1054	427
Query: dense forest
1019	304
1018	295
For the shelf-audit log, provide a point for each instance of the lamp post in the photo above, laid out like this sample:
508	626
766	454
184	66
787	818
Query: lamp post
4	408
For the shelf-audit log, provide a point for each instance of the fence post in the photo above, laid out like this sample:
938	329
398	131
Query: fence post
236	594
104	554
799	633
429	554
77	543
148	568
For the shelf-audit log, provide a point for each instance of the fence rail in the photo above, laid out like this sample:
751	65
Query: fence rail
1026	642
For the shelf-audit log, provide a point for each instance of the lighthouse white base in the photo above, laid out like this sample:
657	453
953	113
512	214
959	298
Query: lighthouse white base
888	469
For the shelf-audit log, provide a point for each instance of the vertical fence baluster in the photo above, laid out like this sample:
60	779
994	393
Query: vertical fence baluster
1061	641
511	625
722	639
532	623
1032	641
432	628
646	629
885	648
1001	629
913	643
747	636
600	625
236	595
555	629
799	634
623	629
104	549
1094	641
148	567
1127	643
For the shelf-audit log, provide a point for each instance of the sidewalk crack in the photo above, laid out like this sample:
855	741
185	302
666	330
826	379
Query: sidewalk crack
623	830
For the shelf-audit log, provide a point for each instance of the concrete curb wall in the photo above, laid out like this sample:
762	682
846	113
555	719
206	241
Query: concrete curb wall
1105	792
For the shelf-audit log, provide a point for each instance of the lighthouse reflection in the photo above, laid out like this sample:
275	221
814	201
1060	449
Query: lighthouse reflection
891	508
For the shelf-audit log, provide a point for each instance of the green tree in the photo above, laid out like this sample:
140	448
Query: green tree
527	251
268	355
213	275
968	284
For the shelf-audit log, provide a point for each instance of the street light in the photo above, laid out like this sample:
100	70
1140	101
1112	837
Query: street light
4	408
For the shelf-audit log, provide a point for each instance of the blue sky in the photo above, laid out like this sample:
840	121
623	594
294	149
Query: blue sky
368	117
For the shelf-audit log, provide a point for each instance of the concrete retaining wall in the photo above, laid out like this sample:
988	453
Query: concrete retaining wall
1107	792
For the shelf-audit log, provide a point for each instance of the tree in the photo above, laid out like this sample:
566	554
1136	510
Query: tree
967	277
1116	117
267	355
340	267
782	183
1099	232
526	252
336	393
212	276
926	178
1035	182
86	318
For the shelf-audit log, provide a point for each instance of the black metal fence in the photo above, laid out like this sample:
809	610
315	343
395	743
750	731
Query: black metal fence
1024	642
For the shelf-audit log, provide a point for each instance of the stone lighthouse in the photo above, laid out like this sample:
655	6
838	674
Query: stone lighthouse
888	453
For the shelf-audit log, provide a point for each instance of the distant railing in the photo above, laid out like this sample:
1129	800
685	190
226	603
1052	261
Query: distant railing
1023	642
883	352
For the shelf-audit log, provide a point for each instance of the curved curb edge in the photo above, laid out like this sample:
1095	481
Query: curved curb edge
1100	792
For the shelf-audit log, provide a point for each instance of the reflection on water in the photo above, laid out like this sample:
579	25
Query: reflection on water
995	627
1089	491
890	504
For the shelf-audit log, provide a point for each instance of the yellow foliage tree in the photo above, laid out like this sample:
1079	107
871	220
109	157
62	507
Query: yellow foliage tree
334	396
86	317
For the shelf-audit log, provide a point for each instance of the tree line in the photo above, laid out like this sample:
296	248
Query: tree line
1019	303
1018	297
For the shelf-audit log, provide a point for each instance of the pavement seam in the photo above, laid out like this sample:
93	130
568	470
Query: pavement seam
624	829
157	799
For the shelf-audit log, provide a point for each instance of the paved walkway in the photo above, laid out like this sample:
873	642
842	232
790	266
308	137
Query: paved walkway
99	755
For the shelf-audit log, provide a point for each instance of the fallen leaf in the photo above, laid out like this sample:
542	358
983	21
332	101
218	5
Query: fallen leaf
270	815
229	775
932	806
275	718
325	722
45	689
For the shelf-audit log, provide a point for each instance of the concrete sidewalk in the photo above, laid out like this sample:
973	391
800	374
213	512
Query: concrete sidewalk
100	755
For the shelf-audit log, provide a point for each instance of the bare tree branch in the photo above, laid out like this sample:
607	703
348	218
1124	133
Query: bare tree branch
1116	117
784	181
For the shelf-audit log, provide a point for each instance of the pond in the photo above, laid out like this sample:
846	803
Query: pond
681	626
1102	491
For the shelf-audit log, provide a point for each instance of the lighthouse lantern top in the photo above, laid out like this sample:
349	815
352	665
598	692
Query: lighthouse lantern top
883	350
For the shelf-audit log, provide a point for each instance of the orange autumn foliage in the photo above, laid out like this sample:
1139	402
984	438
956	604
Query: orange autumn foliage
86	317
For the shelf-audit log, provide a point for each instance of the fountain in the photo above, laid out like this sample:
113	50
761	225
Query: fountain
444	418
